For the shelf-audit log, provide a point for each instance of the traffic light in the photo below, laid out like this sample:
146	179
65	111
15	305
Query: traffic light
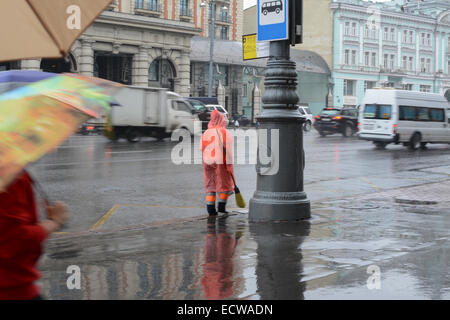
295	22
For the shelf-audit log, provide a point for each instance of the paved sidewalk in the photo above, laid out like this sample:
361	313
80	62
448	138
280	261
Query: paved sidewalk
403	233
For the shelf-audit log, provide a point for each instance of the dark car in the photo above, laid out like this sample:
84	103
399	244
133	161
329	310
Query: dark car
243	120
86	129
332	120
203	112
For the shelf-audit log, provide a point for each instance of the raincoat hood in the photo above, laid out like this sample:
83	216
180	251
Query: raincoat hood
217	120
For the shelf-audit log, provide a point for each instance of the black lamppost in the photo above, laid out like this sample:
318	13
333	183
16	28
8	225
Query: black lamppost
279	191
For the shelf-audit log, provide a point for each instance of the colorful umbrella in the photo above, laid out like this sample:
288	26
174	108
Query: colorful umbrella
36	118
13	79
44	28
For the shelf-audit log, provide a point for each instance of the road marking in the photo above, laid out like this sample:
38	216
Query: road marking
108	215
103	219
371	183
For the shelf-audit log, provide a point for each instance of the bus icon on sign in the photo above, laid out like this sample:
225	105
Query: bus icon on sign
272	6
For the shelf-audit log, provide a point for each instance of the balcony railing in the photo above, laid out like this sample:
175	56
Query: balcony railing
224	18
145	7
185	12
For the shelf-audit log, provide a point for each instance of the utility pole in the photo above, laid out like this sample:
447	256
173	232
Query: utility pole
212	34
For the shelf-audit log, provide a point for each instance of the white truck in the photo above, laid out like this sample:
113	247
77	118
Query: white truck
150	112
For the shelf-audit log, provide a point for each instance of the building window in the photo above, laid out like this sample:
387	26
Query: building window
244	90
392	62
374	59
386	61
428	66
153	71
411	37
369	85
366	58
349	86
184	7
405	63
428	40
425	88
408	86
139	4
224	33
354	29
422	65
354	57
411	64
405	36
392	34
346	57
367	32
347	29
374	32
386	33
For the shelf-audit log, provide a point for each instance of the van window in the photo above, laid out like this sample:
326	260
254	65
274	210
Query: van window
407	113
377	111
437	115
422	114
448	115
308	111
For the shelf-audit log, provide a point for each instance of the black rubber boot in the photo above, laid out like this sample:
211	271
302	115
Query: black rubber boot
222	207
211	209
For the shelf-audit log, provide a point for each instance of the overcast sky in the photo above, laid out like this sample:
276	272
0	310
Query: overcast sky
249	3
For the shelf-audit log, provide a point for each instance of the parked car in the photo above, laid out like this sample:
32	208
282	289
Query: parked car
305	112
219	108
333	120
242	119
204	114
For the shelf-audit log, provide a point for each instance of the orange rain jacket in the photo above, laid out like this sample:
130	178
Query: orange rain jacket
217	167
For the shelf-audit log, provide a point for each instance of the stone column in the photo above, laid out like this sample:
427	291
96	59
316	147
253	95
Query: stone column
184	73
221	95
87	57
140	67
256	103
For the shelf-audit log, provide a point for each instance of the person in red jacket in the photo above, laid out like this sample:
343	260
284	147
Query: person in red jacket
21	238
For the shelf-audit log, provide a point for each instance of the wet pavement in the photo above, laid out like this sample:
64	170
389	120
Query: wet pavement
371	210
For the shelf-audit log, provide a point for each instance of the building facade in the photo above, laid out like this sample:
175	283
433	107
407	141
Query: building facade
143	42
399	44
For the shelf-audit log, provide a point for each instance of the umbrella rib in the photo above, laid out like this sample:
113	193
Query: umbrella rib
46	27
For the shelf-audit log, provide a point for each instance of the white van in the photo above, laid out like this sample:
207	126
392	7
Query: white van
408	117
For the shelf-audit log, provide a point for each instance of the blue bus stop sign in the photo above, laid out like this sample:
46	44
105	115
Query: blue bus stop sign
272	20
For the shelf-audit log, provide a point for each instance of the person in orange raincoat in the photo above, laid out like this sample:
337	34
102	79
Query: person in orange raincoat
220	246
216	145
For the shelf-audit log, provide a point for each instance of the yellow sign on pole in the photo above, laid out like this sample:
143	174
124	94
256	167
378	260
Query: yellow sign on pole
249	46
254	49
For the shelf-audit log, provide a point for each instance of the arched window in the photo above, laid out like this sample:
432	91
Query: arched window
153	72
162	74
